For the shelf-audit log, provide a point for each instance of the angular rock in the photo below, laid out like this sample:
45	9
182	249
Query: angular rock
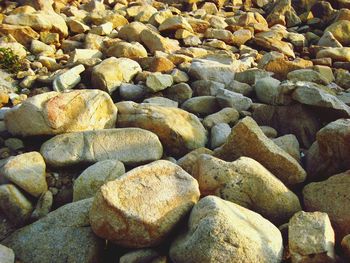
290	144
131	146
221	231
247	139
155	42
201	105
22	34
219	134
178	130
239	182
226	115
54	113
121	210
133	50
311	238
188	161
227	98
345	243
158	81
91	179
6	255
337	54
341	31
27	171
307	75
68	79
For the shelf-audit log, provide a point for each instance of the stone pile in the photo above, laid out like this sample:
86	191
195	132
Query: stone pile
174	131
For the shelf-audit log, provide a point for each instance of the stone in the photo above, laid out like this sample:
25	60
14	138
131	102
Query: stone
239	182
48	237
91	179
39	48
161	64
174	23
227	98
251	76
142	255
158	81
14	205
132	92
120	211
345	243
311	237
161	101
330	153
178	130
77	27
341	31
226	115
6	255
289	143
307	75
23	34
133	50
80	54
188	161
215	71
274	44
27	171
43	206
247	139
54	113
155	42
201	105
267	90
130	146
17	48
221	231
309	94
337	54
331	196
131	32
269	131
68	79
103	29
179	92
179	76
219	134
328	40
112	72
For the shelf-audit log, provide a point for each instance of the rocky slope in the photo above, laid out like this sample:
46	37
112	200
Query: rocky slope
174	131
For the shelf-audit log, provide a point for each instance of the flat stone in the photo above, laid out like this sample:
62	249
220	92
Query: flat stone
6	255
68	79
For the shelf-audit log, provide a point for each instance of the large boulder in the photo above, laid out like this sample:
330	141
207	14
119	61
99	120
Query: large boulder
131	146
330	153
140	208
332	197
221	231
62	236
247	183
178	130
54	113
247	139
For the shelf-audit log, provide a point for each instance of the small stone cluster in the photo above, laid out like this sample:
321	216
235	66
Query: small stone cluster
175	131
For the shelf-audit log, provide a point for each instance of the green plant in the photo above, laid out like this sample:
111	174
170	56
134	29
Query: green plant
10	61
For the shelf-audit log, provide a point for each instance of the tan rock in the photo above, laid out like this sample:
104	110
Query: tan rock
131	32
290	144
337	54
178	130
341	31
131	146
22	34
174	23
247	139
188	161
226	115
345	243
54	113
121	209
155	42
221	231
247	183
133	50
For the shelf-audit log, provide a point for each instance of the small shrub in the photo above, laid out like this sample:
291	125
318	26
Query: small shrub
10	61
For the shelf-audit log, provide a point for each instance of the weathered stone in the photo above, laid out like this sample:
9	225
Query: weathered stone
43	206
161	101
311	238
239	182
127	220
221	231
90	180
175	22
28	172
247	139
131	146
341	31
54	113
201	105
188	161
345	243
178	130
158	81
22	34
155	42
219	134
143	255
337	54
227	98
133	50
132	32
290	144
6	255
179	92
307	75
226	115
68	79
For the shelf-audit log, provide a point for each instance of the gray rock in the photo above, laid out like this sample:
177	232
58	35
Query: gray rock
68	79
219	134
232	99
201	105
6	255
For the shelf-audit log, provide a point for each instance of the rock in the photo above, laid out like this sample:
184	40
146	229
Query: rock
16	48
175	22
143	255
293	119
103	29
178	130
226	115
267	90
112	72
341	31
238	182
274	44
90	180
289	143
215	71
161	64
328	40
14	205
39	48
251	76
161	101
337	54
43	206
247	139
127	220
179	92
77	27
311	237
201	105
188	161
68	79
307	75
22	34
132	92
54	113
239	87
130	146
269	131
330	153
133	50
219	134
28	172
48	237
346	245
227	98
6	255
38	4
221	231
78	54
158	81
132	32
331	196
155	42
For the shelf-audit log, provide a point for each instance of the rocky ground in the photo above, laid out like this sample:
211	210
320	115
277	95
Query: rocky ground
180	131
